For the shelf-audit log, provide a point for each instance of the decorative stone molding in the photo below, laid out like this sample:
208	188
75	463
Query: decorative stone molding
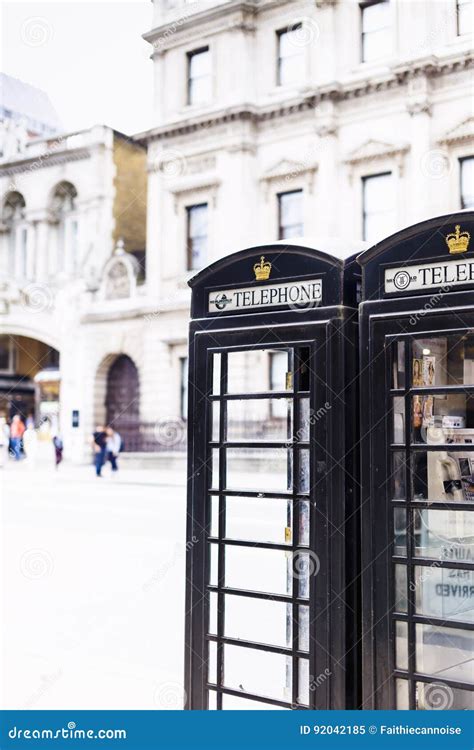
39	162
461	133
200	191
119	276
373	151
286	173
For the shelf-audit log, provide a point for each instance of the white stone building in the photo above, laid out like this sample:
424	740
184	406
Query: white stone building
276	119
69	205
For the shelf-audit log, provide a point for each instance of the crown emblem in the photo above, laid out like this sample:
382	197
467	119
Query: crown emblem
458	241
262	269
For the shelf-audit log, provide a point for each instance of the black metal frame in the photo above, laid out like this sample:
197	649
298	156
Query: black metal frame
331	335
383	321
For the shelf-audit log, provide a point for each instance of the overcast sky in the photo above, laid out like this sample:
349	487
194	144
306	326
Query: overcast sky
88	56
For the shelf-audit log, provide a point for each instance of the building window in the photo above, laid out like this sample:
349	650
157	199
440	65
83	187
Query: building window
290	56
467	182
7	355
378	207
196	236
67	227
464	15
183	388
199	76
376	30
290	214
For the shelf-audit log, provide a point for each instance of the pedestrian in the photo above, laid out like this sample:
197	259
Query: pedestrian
114	443
58	450
4	440
30	446
17	429
100	448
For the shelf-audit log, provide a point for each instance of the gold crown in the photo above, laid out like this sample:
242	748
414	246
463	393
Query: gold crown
262	269
458	241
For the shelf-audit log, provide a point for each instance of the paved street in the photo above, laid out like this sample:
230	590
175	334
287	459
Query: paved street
93	587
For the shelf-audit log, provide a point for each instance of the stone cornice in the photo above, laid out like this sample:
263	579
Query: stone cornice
462	133
39	162
335	92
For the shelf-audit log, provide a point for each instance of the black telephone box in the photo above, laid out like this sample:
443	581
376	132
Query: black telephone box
272	488
417	442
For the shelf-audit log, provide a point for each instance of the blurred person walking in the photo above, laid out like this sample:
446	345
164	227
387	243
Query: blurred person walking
4	440
113	443
58	449
17	430
100	448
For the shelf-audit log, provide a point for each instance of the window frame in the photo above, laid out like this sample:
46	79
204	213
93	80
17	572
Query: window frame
189	245
363	6
279	34
279	203
12	353
189	79
183	387
364	179
461	160
458	4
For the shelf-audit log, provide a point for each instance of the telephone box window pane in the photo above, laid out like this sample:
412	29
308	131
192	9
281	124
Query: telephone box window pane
398	412
212	700
303	506
215	469
236	703
444	534
260	419
403	703
401	645
214	561
304	421
303	632
263	519
265	469
439	476
445	653
303	472
258	620
446	593
398	364
398	474
443	360
216	374
264	570
401	597
214	502
258	672
259	371
400	531
212	613
305	565
438	696
303	682
215	420
447	418
212	662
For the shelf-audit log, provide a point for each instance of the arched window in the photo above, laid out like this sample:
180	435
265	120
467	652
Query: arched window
18	262
64	212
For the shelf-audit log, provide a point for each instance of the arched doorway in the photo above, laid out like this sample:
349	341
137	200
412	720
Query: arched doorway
122	400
